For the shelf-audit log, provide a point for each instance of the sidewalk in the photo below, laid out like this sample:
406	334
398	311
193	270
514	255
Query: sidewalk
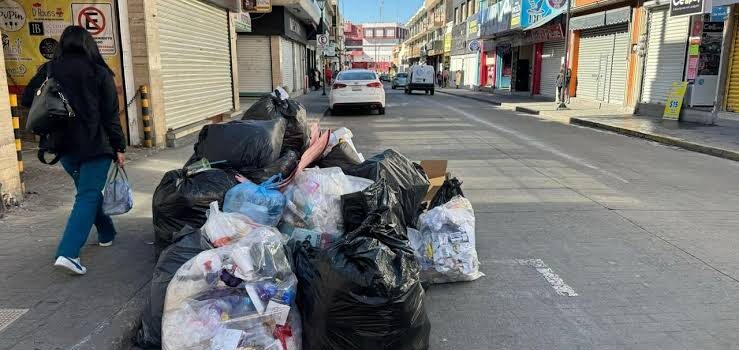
44	309
720	140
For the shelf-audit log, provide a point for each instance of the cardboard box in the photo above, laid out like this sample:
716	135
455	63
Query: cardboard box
436	171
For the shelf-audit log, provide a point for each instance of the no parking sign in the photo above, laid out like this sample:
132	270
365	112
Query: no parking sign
98	20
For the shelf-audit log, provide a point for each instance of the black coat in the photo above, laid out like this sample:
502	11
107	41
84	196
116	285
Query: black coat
92	93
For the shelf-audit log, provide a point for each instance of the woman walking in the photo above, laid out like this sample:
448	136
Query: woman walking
88	143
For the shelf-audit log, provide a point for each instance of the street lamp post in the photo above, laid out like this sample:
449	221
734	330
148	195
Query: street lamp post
322	5
562	104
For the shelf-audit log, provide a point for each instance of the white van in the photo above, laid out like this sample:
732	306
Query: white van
421	77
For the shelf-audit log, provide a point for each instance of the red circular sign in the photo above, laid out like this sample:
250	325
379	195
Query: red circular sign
92	19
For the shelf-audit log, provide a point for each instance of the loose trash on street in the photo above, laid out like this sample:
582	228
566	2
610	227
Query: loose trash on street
280	236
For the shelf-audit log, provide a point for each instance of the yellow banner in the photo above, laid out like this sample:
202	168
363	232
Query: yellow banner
675	100
31	31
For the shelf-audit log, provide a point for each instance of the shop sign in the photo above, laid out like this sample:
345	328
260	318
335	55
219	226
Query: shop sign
447	42
685	7
710	48
541	11
500	17
719	13
474	46
256	6
551	32
242	22
472	28
675	100
31	32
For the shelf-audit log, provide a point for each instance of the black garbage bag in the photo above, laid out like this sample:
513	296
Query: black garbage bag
251	143
362	293
448	190
187	244
355	207
182	200
266	108
297	130
284	166
342	156
405	177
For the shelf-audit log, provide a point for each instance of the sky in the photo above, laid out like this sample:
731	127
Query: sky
360	11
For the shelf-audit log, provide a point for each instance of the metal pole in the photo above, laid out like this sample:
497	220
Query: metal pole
562	104
323	55
723	65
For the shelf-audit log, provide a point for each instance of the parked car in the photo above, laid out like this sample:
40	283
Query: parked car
384	77
421	77
357	88
401	80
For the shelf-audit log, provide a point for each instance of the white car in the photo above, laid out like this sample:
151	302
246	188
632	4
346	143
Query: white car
357	88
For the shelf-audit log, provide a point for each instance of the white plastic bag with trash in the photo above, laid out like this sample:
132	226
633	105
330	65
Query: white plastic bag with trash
445	243
342	135
237	297
223	228
314	200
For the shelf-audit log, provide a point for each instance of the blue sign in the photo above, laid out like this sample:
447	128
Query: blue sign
719	13
538	12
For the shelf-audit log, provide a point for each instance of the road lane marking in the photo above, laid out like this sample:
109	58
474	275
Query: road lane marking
533	142
554	280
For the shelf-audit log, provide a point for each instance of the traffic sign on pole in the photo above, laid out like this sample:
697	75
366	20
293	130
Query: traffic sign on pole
322	40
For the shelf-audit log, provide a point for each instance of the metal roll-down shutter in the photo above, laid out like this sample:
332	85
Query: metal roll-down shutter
665	61
195	53
551	61
255	64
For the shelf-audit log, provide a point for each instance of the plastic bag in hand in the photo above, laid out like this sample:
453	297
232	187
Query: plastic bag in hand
448	240
117	194
223	228
238	296
262	203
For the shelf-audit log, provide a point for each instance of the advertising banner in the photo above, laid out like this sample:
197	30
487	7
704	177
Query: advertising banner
685	7
31	32
675	100
538	12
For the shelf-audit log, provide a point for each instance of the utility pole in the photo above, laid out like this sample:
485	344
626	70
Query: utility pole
562	104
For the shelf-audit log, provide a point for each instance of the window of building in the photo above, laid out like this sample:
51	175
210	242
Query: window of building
390	32
456	15
464	12
369	33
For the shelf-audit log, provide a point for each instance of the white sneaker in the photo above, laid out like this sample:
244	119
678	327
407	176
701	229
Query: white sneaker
107	244
72	266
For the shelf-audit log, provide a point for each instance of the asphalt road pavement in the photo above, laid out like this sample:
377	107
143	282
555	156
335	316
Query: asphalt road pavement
589	240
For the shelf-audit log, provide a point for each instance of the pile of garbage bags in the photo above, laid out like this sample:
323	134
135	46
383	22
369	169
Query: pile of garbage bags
277	235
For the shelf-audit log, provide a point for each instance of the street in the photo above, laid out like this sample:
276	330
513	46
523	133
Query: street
644	234
588	240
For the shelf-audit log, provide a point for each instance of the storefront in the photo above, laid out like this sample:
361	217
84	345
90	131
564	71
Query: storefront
458	52
550	60
602	60
667	44
274	54
500	33
732	81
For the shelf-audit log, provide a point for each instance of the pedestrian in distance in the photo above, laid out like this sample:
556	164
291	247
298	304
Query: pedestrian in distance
563	88
445	77
88	143
329	76
439	78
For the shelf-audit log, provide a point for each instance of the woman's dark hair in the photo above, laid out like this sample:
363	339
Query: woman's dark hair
78	40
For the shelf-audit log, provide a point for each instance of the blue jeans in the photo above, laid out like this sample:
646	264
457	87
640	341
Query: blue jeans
89	179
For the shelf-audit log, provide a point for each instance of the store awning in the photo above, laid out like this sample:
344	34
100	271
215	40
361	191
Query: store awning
600	19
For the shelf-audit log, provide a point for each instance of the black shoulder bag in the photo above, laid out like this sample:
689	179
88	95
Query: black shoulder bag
50	110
